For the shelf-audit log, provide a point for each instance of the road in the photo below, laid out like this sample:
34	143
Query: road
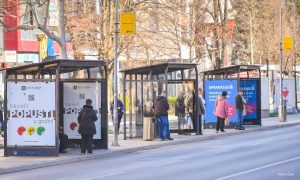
271	155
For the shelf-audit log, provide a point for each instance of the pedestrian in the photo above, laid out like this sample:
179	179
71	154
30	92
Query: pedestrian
221	111
189	104
87	129
180	110
240	103
201	102
161	107
120	108
63	141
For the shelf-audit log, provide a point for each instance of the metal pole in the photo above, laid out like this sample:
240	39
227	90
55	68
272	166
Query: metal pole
281	116
115	143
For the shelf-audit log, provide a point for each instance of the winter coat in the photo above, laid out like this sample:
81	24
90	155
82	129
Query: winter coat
221	108
179	106
86	120
189	102
201	106
120	107
239	104
161	106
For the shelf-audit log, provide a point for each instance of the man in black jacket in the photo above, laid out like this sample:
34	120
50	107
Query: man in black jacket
87	128
240	105
161	107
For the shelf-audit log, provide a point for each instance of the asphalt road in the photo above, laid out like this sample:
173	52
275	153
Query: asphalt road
266	155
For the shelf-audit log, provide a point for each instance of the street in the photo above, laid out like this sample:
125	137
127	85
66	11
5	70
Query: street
273	154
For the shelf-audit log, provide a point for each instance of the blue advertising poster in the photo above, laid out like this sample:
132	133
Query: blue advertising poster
214	88
249	88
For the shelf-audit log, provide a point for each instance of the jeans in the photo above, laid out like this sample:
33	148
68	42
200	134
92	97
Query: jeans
239	124
163	127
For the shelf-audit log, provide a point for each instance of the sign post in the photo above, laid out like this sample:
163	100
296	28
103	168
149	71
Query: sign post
127	24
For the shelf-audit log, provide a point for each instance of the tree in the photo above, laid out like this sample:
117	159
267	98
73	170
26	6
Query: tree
36	12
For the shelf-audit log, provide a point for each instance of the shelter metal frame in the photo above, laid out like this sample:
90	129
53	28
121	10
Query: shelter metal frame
52	71
150	74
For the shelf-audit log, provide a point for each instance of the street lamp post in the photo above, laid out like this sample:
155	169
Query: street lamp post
115	111
281	109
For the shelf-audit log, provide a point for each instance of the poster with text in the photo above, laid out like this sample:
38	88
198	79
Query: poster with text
249	88
213	89
75	95
31	113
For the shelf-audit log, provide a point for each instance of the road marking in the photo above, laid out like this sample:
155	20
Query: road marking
106	175
168	163
259	168
220	152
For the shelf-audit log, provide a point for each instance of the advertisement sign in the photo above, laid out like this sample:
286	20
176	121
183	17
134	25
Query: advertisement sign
31	114
75	95
249	88
288	92
213	89
265	97
10	56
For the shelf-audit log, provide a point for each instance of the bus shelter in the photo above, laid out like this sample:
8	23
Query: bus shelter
44	99
231	79
142	84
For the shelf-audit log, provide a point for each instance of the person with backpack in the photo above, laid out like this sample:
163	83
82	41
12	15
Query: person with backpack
87	128
180	110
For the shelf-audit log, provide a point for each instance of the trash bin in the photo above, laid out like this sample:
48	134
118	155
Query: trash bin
149	129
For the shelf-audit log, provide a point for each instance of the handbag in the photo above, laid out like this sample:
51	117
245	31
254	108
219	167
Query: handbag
226	122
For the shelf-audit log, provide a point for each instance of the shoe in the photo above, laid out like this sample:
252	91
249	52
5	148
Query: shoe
90	152
64	151
2	134
242	128
236	128
82	153
162	139
217	131
223	131
169	138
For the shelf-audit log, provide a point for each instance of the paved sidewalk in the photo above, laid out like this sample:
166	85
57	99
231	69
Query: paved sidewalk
13	164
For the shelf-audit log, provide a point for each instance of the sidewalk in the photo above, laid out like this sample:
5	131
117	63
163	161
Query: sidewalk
13	164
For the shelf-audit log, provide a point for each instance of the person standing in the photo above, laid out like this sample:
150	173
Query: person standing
1	123
87	129
240	103
221	111
180	110
120	107
161	107
189	104
201	102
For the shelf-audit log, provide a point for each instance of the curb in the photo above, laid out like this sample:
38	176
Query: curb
109	154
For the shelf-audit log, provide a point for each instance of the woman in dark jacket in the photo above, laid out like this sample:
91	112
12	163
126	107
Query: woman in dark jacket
87	128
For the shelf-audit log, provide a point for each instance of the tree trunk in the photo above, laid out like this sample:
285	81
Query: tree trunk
61	29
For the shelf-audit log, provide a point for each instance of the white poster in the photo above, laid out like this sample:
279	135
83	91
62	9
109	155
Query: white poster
75	95
265	98
288	92
31	113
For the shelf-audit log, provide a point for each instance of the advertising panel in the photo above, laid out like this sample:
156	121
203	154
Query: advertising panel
213	89
75	95
31	114
249	88
288	92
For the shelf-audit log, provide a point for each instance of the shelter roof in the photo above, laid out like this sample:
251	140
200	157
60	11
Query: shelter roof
50	67
157	69
232	70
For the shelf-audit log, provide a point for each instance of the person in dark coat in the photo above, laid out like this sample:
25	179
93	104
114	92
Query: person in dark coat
240	107
161	107
180	110
120	107
201	109
1	123
87	128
